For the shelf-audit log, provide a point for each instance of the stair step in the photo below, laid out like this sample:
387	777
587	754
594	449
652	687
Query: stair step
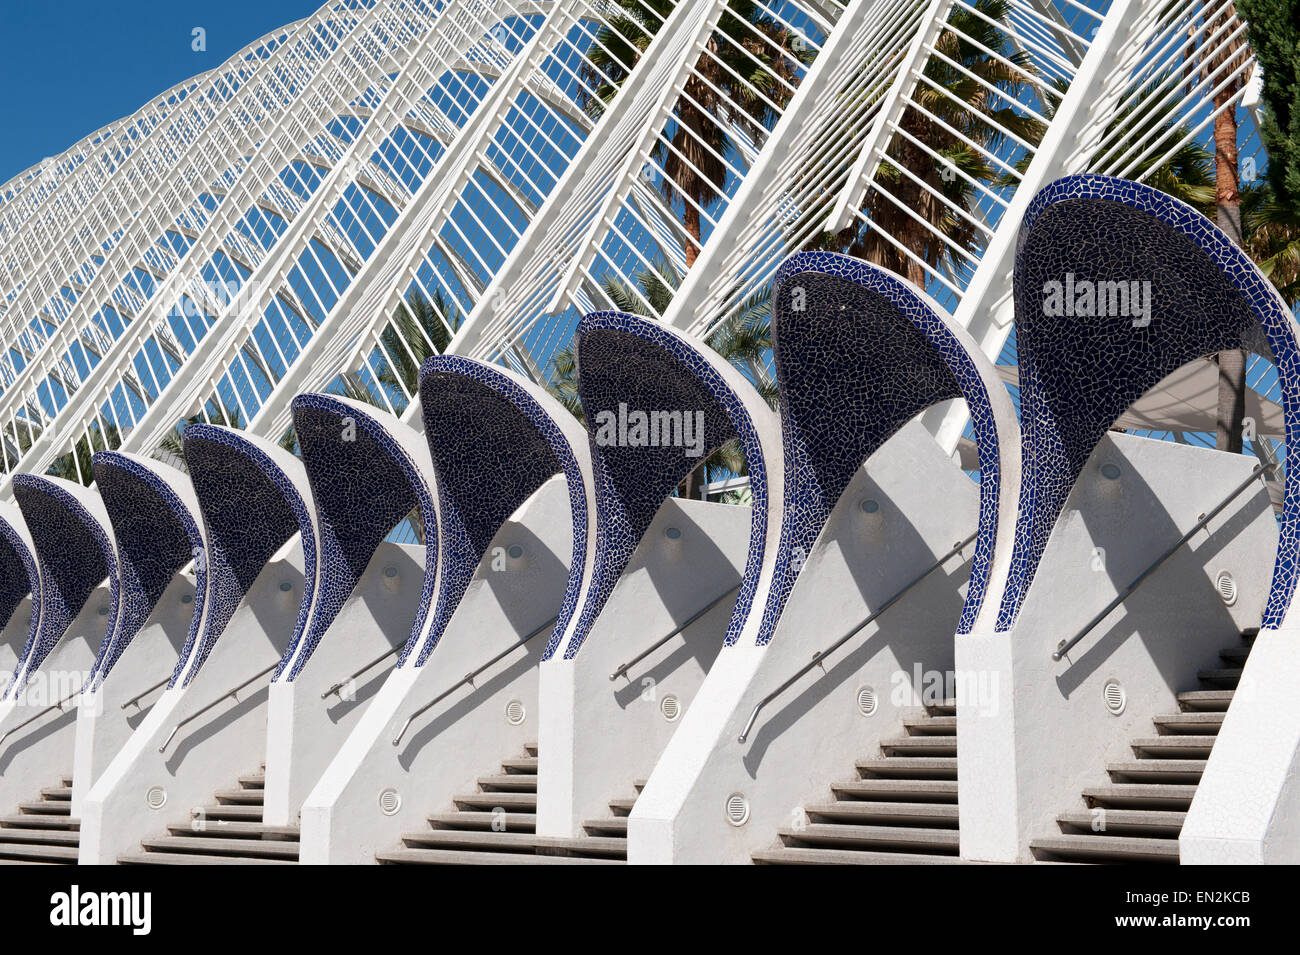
203	844
946	708
239	797
1136	795
513	842
873	837
225	829
509	782
1157	770
622	807
1145	822
1195	724
1108	848
931	725
912	767
920	746
232	813
39	853
639	784
66	781
194	858
51	808
53	837
526	764
616	826
790	855
530	749
1236	655
1205	700
458	857
1225	677
902	813
514	821
35	820
491	801
57	793
1186	746
904	790
254	781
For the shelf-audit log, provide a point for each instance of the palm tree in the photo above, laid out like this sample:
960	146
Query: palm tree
420	329
1272	238
173	442
75	465
967	106
749	53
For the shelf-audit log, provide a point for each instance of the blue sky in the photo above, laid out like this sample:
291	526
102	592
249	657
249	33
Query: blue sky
70	67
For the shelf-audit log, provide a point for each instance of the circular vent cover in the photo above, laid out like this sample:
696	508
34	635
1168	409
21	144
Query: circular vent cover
389	802
1115	697
515	713
156	797
670	707
737	809
1227	587
867	701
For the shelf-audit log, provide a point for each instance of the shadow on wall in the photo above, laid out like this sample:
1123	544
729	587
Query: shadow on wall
703	643
895	629
544	564
35	736
1142	610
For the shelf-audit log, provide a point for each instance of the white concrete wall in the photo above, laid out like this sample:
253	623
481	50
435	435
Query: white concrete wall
1247	806
210	752
40	754
466	735
598	736
1026	760
303	731
810	737
104	723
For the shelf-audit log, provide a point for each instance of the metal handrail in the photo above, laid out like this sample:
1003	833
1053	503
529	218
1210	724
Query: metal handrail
233	694
468	678
622	670
135	700
348	679
1064	646
821	655
33	719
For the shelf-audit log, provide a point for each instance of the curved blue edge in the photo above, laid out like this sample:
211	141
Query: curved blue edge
156	537
361	489
1077	375
250	508
19	576
492	445
624	359
859	353
75	554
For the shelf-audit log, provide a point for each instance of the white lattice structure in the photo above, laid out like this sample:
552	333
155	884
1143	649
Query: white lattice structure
255	232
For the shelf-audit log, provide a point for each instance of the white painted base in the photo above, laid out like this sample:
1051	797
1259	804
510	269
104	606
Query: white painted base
598	736
810	736
303	731
212	751
1027	759
1247	806
466	735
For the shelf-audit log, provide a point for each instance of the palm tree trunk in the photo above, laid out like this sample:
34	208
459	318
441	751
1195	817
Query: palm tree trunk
1227	198
692	220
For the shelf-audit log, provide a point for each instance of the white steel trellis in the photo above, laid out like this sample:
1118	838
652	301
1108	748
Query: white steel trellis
457	150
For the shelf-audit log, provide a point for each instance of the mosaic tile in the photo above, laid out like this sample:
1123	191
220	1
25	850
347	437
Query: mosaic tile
1078	374
19	576
493	444
364	481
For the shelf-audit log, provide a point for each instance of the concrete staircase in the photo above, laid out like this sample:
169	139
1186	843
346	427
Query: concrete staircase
1138	815
230	832
42	831
901	808
496	826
